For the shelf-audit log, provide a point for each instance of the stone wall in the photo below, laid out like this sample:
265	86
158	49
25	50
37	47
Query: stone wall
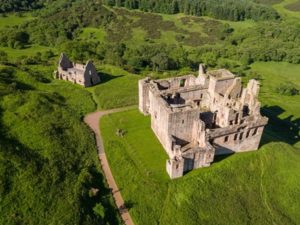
196	118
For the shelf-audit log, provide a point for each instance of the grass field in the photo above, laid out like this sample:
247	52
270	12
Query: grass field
294	6
283	111
117	88
12	19
91	33
288	9
45	146
250	188
31	50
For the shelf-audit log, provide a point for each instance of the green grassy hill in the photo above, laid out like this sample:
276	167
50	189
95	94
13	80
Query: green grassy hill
48	161
248	188
48	158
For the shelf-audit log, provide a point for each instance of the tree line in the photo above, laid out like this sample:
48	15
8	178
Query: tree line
220	9
20	5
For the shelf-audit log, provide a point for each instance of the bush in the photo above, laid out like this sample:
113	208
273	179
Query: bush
288	89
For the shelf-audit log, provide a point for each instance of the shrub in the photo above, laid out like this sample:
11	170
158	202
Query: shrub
288	88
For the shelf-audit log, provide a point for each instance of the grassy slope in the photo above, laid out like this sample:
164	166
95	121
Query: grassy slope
284	111
255	188
31	50
45	146
202	193
118	88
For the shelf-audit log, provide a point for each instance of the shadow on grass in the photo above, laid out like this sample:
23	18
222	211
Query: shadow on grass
219	158
283	130
105	77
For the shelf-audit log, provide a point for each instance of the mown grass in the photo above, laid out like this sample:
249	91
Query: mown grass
249	188
283	111
118	88
244	188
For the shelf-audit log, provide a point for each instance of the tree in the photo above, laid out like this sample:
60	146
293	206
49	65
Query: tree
99	210
160	62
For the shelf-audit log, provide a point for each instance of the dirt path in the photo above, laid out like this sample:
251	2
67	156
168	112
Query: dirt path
92	120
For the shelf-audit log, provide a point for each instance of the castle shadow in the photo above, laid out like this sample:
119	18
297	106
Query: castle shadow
278	129
219	158
105	77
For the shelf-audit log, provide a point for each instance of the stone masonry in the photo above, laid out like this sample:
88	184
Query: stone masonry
85	75
196	118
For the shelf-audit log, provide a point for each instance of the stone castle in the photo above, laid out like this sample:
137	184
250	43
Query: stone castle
85	75
196	118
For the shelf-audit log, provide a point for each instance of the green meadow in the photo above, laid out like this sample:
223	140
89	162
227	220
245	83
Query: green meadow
248	188
13	19
48	156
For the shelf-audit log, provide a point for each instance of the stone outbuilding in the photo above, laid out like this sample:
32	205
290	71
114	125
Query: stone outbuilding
196	118
85	75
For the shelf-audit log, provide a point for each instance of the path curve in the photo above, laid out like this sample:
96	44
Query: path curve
92	120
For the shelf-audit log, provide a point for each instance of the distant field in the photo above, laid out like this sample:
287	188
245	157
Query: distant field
29	51
289	9
262	185
91	33
268	2
138	27
12	19
294	6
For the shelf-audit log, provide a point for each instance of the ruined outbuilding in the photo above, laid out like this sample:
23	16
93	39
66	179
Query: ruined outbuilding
85	75
196	118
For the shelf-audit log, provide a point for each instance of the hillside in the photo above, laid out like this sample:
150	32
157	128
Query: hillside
247	188
48	160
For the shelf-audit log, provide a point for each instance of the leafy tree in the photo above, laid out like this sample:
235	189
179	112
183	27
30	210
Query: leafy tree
99	210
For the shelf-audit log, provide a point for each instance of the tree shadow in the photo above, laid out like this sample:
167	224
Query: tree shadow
105	77
104	196
278	129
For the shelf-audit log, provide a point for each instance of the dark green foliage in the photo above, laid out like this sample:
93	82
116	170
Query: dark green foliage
288	88
20	5
229	9
14	38
3	57
63	23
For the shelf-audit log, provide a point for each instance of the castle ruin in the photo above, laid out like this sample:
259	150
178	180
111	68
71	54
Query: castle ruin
196	118
85	75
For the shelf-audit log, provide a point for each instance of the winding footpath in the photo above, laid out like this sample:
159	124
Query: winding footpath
92	120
